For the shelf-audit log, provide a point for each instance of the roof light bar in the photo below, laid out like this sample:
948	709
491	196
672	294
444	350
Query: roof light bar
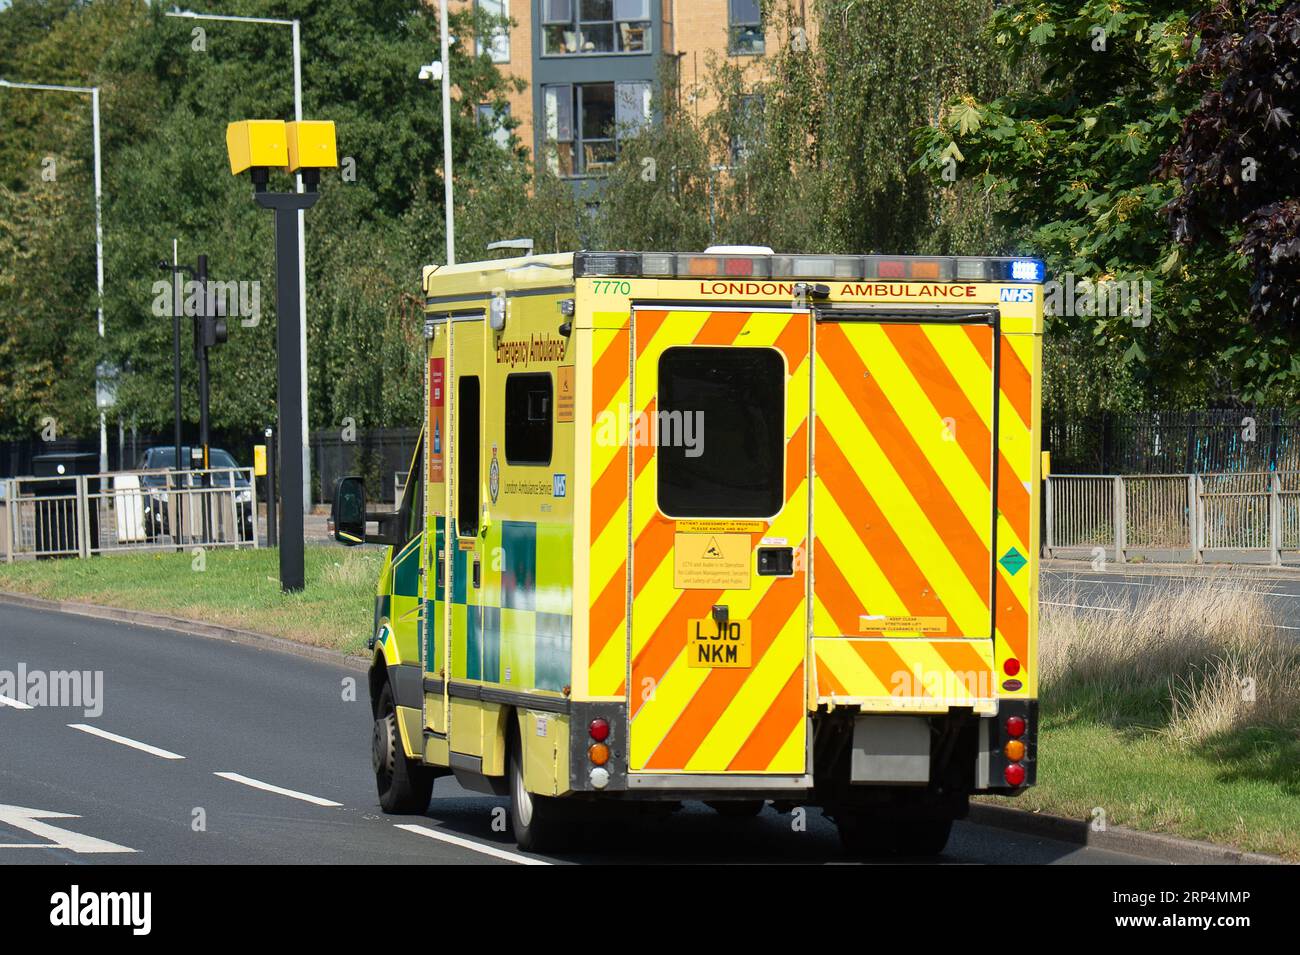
751	265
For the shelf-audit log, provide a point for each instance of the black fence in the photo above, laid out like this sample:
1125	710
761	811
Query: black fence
1174	442
125	448
376	455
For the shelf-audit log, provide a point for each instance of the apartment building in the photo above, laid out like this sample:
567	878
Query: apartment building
592	65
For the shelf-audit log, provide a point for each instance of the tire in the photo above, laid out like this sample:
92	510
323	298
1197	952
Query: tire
540	823
866	835
404	784
924	837
737	808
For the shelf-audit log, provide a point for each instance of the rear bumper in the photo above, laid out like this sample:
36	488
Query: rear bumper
965	752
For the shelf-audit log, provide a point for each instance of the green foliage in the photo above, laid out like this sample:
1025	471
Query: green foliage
168	93
1074	158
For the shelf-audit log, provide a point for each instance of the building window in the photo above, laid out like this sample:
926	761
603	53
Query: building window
732	400
584	122
496	43
746	121
571	27
528	418
495	123
745	27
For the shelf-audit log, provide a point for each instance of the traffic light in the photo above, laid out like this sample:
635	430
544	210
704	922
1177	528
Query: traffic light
212	330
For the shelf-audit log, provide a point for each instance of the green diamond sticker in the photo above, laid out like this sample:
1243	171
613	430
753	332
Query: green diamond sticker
1013	561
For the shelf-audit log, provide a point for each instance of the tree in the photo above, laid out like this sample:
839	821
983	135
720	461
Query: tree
808	149
1237	161
1076	158
170	87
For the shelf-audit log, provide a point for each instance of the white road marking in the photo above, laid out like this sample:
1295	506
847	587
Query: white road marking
1051	603
278	790
1103	582
16	704
125	741
1107	583
1098	576
469	844
21	817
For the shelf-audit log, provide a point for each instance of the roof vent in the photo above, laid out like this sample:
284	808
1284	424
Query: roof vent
738	250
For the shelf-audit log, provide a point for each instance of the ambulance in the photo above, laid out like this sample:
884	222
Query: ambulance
752	529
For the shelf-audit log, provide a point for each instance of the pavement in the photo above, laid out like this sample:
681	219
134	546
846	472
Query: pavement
201	750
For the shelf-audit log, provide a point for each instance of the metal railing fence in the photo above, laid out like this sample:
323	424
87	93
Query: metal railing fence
1249	517
85	515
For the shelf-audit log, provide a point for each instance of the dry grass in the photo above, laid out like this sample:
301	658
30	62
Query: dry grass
354	569
1198	659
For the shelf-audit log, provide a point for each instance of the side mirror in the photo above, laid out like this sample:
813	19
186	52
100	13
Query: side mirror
349	511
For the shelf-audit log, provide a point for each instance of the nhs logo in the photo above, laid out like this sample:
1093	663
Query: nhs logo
559	485
1016	294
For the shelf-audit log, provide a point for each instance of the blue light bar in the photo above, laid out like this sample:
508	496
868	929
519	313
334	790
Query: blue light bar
1027	270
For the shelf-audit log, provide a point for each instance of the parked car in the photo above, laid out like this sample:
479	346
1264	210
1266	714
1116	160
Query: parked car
163	459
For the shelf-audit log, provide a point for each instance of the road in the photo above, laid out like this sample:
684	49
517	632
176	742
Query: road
215	752
1118	590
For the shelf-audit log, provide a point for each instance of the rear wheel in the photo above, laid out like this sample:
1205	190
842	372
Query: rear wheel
404	784
736	808
540	822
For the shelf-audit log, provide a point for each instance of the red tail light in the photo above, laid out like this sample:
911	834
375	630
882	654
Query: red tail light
1015	726
599	729
1015	774
1011	667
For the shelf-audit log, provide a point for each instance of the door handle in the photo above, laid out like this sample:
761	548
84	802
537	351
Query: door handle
476	573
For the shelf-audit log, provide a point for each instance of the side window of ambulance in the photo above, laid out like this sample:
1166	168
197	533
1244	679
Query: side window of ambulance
468	450
413	498
529	400
721	432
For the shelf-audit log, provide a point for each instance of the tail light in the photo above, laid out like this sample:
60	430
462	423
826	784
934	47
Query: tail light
599	729
598	754
1015	726
1011	667
1014	751
1015	774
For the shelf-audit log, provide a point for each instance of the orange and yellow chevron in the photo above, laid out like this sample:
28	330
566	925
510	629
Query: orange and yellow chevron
700	719
915	564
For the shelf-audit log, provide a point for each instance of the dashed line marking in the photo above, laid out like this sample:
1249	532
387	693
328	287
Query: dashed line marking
126	741
486	850
1052	603
278	790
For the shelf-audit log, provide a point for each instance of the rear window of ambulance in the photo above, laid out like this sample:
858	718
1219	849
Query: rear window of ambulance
720	429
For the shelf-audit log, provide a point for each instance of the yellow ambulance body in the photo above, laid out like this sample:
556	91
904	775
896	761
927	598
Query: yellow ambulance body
735	526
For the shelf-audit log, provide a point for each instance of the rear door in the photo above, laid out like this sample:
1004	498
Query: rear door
718	466
903	504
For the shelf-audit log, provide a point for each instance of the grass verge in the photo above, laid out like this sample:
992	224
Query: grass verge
236	588
1183	717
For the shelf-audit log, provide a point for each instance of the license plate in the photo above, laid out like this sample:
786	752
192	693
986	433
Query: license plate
708	645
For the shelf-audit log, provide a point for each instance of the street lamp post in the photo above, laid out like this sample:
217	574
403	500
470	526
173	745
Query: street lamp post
302	241
435	71
99	231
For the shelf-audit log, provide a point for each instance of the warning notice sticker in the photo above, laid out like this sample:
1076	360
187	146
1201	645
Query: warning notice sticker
711	561
721	527
879	623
